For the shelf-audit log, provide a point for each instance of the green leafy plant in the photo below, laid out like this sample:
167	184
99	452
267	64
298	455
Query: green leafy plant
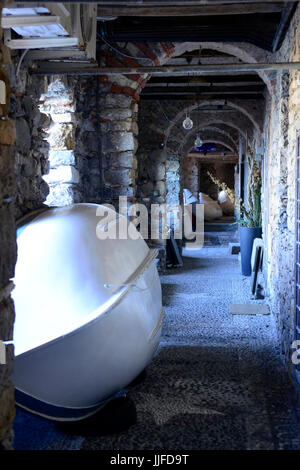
250	216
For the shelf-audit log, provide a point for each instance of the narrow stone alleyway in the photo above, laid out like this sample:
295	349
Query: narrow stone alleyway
217	381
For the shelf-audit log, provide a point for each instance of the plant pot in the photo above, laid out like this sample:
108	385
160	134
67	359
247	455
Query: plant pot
247	235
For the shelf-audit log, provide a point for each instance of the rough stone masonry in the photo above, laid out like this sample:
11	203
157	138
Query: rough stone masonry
8	253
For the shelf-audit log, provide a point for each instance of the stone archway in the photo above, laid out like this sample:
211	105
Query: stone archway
238	121
121	125
207	135
248	109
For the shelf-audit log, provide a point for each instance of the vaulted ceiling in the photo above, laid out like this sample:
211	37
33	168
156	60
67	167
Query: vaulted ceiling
247	86
263	24
212	31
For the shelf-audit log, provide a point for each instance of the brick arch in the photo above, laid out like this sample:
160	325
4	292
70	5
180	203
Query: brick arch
240	116
250	109
228	130
233	124
159	54
214	141
164	126
207	135
214	137
121	96
247	53
237	121
218	129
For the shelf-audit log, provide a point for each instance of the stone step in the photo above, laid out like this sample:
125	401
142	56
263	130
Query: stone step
214	238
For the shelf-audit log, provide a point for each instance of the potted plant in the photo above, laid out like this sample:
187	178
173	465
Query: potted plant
249	217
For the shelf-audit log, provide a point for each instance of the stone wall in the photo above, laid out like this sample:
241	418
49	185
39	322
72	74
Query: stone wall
64	179
190	175
92	141
88	138
163	121
174	183
30	149
8	253
152	186
159	173
152	175
119	132
280	178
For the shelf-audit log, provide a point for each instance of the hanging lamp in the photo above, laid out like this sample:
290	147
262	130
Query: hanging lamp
198	141
187	123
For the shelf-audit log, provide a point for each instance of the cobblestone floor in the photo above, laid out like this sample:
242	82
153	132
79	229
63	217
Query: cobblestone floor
217	381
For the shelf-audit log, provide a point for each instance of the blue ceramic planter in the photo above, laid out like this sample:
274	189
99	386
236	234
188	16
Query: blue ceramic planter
247	235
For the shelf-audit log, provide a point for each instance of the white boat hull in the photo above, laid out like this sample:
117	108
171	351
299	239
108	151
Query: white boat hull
74	374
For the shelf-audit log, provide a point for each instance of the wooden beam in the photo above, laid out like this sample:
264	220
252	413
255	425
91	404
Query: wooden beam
213	154
191	10
163	69
192	81
215	157
202	93
54	54
204	96
174	90
215	160
203	85
285	18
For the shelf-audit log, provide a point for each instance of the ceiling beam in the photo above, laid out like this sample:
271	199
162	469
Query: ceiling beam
51	68
204	96
190	86
217	160
191	10
285	19
203	89
216	157
192	81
